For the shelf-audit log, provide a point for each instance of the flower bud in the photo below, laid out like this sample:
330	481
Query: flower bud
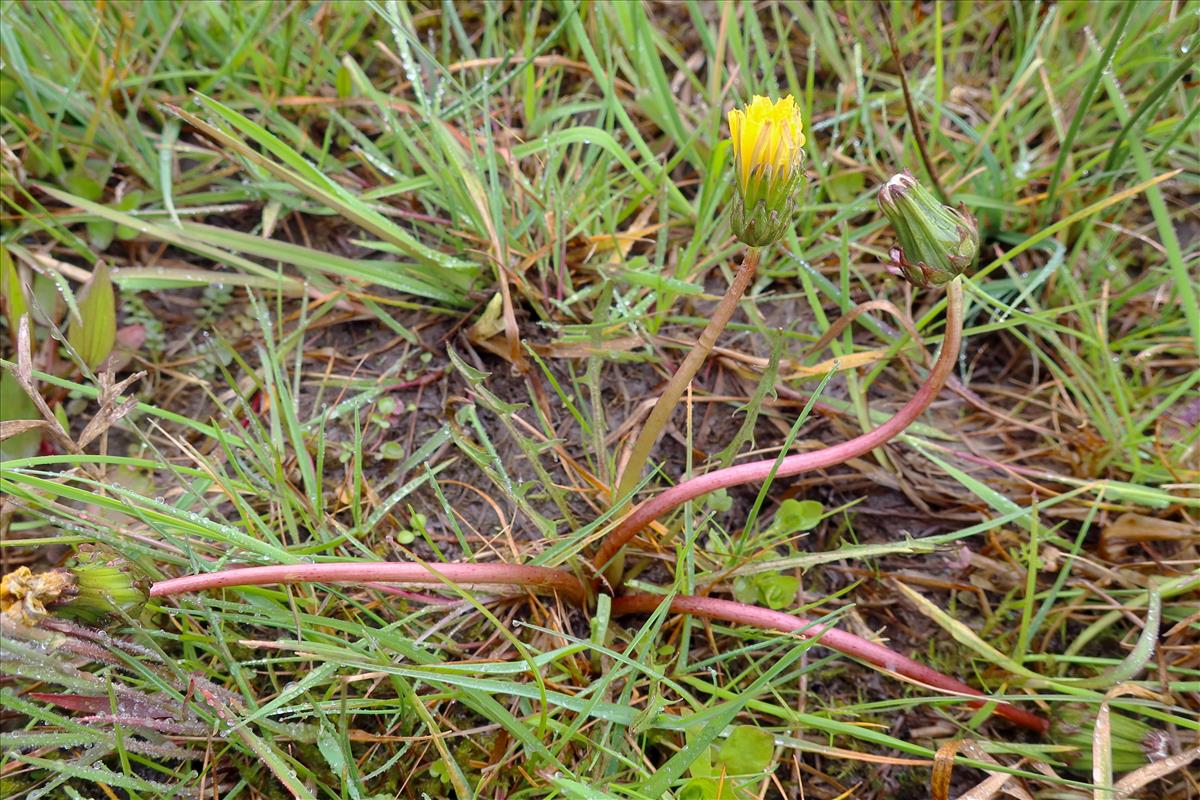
768	158
1133	743
759	225
103	585
935	243
91	589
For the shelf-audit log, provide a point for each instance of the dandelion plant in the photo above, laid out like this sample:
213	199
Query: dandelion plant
313	538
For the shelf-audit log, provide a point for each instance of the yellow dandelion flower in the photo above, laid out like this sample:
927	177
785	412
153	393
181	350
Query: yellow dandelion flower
768	158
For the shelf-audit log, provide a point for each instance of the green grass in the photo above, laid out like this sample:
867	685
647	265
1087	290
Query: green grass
308	205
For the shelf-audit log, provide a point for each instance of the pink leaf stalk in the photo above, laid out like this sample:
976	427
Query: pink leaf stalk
757	471
841	641
542	579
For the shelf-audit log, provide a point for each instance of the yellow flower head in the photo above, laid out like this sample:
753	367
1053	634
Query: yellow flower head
768	157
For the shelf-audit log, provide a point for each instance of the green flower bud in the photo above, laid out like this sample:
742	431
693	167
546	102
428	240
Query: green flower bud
1133	743
102	586
91	589
935	243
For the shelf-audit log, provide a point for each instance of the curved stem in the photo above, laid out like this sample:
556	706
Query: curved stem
669	399
841	641
755	471
535	578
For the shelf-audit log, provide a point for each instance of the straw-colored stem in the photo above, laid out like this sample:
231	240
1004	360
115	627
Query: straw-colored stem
841	641
669	399
756	471
673	392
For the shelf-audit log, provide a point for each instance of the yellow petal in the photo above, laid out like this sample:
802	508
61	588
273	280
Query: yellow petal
767	136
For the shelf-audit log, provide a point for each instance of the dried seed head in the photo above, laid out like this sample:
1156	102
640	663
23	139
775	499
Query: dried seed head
25	595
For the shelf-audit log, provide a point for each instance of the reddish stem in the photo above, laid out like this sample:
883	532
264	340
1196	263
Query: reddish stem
535	578
672	393
757	471
427	378
677	385
846	643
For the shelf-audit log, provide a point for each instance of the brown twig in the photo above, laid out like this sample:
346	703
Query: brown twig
913	119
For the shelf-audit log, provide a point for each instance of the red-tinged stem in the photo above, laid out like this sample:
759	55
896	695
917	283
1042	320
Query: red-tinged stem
845	643
542	579
672	393
418	597
757	471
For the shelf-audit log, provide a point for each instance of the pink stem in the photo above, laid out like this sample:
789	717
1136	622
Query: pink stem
757	471
535	578
846	643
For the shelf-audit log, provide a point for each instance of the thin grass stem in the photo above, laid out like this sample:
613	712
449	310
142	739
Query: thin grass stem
913	119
